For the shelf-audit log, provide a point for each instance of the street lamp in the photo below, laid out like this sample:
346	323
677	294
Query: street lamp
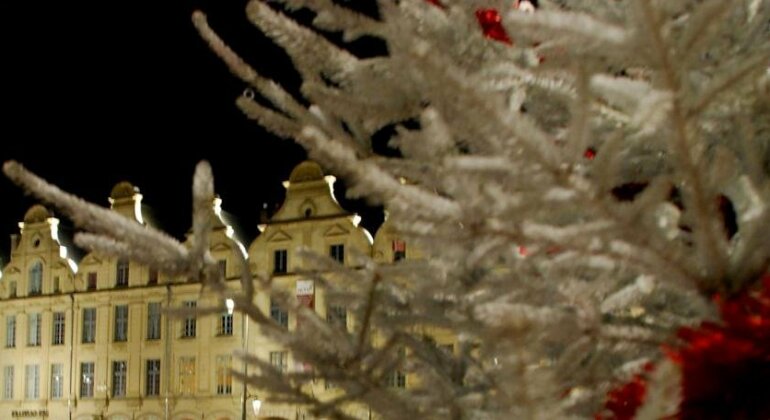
230	305
256	405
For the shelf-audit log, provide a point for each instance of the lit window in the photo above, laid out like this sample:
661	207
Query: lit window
86	380
396	378
190	322
224	375
225	326
186	375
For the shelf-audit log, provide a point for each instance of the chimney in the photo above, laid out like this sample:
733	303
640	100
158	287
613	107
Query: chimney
14	241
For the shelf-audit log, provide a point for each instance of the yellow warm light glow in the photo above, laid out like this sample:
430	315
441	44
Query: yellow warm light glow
138	208
229	231
53	224
230	305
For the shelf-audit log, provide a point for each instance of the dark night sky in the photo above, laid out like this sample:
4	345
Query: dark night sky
94	93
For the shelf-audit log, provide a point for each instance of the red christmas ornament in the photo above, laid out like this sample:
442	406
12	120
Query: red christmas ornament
522	250
589	153
725	367
491	24
623	401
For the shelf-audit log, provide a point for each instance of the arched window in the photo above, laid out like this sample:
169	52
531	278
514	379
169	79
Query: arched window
36	278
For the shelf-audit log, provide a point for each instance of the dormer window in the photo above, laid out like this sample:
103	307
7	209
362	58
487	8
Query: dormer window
337	252
121	275
36	278
280	261
399	250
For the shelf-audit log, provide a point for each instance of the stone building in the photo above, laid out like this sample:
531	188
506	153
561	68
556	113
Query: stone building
92	340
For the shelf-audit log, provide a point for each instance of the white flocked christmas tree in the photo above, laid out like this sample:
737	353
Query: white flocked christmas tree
583	177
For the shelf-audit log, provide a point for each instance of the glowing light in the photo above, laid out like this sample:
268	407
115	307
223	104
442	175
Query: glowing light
256	405
229	231
138	208
230	305
526	6
53	223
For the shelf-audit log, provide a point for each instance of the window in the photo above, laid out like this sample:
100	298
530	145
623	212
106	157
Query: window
121	323
152	379
86	380
399	250
153	277
189	324
89	325
12	289
224	375
121	275
33	334
36	278
225	326
396	379
186	375
119	378
8	382
10	331
57	380
58	328
56	284
337	252
91	281
153	321
280	261
279	360
222	266
279	315
32	382
337	315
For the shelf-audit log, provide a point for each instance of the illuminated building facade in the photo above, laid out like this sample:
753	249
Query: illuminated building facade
92	340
